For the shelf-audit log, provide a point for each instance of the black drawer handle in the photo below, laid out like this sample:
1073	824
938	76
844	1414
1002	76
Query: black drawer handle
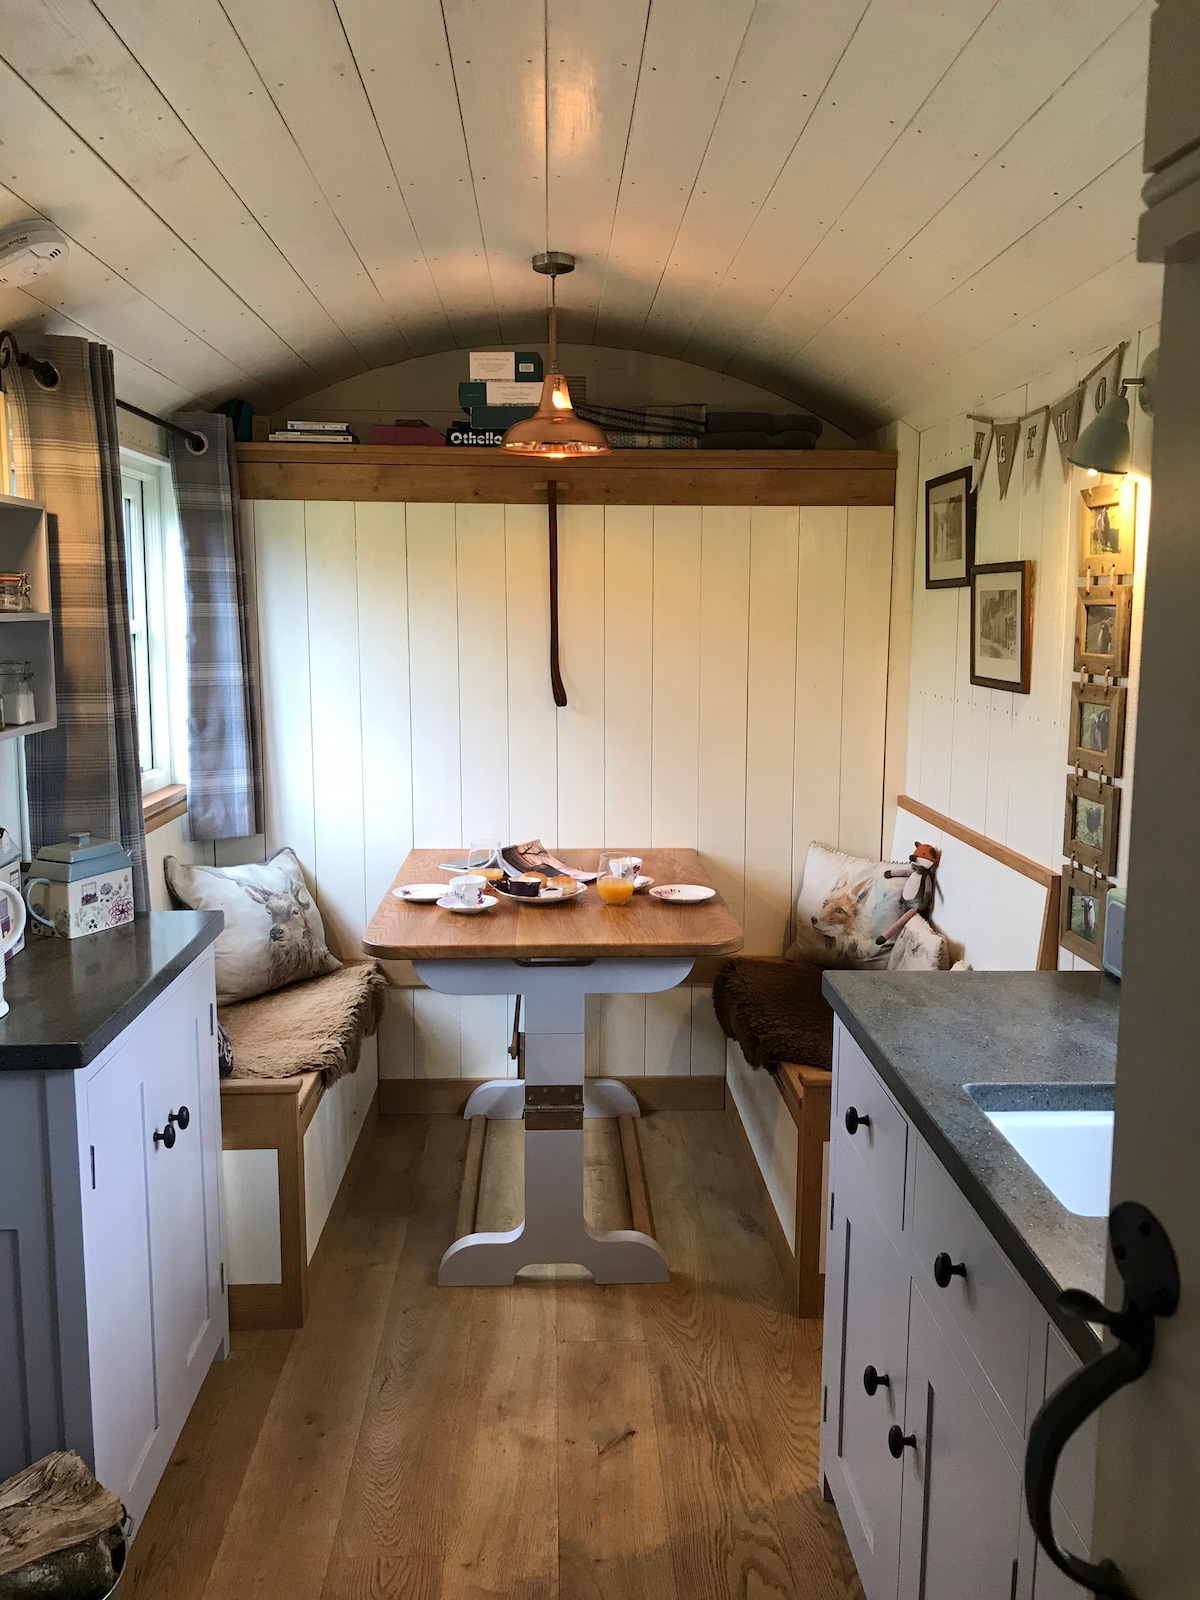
873	1381
166	1137
855	1120
898	1439
181	1118
944	1269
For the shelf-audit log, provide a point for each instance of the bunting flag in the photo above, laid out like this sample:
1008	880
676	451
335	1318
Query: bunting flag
1102	383
979	438
1005	435
1064	419
1033	444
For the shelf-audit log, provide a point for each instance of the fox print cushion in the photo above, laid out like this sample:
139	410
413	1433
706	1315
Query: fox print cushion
844	907
273	931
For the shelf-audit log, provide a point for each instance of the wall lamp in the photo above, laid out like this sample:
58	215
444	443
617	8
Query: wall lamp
1104	445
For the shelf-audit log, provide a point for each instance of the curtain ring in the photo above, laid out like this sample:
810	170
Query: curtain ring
197	444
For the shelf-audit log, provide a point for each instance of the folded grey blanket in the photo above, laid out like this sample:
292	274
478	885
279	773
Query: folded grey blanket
621	440
758	441
763	422
644	419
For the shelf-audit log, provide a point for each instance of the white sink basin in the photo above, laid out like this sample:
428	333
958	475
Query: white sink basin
1071	1152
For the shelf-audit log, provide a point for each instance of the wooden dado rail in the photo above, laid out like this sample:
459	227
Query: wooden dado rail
626	477
1050	880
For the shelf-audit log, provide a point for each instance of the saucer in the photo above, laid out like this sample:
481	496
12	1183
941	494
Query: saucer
641	883
683	894
542	899
421	894
449	903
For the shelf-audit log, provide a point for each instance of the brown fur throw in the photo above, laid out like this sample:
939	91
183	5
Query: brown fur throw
315	1026
775	1010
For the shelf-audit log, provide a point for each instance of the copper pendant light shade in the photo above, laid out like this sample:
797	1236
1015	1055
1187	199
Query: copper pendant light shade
554	431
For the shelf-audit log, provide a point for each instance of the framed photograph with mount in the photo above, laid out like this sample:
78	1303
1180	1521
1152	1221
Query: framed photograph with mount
1102	629
1002	625
1081	914
1090	827
1107	522
1096	737
949	530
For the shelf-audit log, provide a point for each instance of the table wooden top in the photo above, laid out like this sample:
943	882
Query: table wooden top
585	926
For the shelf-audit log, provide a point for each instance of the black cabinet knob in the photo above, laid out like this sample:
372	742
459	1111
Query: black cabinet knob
855	1121
944	1269
181	1117
898	1439
166	1137
874	1381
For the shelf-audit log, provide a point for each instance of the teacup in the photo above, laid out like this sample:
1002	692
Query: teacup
468	888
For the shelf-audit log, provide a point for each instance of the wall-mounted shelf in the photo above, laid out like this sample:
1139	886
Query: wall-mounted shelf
29	635
626	477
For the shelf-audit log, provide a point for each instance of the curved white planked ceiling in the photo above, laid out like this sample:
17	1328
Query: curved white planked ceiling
870	206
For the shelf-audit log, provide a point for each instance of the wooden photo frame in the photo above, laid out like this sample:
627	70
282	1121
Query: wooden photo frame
1081	915
1107	529
1102	618
949	530
1096	739
1002	625
1091	824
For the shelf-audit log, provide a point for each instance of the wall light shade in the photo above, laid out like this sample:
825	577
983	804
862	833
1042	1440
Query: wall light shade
1104	445
554	430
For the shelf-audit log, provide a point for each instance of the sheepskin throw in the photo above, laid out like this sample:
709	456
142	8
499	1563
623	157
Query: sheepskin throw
317	1026
775	1010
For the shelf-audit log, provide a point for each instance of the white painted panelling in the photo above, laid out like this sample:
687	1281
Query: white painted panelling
714	683
251	1179
771	1132
330	1138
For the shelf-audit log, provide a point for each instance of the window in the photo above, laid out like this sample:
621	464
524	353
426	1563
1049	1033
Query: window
154	577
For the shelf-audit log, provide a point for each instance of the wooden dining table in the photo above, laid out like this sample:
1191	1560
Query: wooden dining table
553	956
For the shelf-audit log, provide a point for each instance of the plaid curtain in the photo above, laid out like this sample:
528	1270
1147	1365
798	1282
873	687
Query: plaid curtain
225	791
84	774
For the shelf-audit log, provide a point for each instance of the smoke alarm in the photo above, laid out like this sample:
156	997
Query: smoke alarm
28	249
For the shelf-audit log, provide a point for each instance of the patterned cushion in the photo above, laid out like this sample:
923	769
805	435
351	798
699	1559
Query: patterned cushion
845	904
273	931
919	948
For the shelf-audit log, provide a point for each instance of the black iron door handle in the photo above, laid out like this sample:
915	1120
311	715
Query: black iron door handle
1146	1262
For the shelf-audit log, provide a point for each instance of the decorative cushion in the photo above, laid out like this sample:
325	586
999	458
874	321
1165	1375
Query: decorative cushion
845	903
273	931
919	948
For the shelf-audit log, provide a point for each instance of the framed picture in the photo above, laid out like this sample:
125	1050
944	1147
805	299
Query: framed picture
1081	915
1091	824
1002	625
1102	629
949	530
1096	741
1107	520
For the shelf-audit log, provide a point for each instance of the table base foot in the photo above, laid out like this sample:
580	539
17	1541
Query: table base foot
503	1100
492	1259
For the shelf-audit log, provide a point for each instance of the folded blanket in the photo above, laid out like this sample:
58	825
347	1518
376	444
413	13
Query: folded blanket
620	440
315	1026
763	422
795	440
643	419
775	1010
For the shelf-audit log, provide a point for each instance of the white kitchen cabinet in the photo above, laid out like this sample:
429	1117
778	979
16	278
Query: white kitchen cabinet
122	1239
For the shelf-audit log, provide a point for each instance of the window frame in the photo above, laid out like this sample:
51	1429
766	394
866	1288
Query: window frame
154	580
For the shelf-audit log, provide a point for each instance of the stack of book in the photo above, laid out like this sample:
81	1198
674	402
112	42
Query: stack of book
504	387
314	433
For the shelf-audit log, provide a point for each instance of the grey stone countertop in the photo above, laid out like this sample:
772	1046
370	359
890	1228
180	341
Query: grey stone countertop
70	998
928	1034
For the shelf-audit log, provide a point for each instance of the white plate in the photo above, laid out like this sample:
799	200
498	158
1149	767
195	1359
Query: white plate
683	894
640	883
421	894
542	900
449	903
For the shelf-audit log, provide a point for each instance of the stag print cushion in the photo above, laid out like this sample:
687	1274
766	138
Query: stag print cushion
845	906
273	931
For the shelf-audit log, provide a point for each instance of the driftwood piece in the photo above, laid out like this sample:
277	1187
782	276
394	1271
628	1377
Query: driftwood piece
51	1506
84	1571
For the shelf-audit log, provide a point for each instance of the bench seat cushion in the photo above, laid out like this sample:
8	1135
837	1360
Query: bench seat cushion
775	1010
315	1026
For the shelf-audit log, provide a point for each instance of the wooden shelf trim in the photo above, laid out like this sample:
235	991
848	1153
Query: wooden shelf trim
626	477
164	805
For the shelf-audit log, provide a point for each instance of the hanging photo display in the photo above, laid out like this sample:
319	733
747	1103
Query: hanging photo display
1102	629
1096	740
979	444
1090	829
1081	914
1004	442
1033	445
1107	520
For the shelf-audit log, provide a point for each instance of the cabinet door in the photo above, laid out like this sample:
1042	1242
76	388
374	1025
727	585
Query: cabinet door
118	1271
962	1489
872	1331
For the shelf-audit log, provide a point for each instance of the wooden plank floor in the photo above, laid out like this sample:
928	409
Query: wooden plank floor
553	1441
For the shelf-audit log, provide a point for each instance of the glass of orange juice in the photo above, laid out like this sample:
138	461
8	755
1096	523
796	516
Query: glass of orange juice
617	876
484	856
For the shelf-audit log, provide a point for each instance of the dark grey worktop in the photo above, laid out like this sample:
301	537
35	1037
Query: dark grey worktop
929	1033
70	998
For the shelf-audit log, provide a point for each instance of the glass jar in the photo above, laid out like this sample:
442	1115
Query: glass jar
16	693
14	592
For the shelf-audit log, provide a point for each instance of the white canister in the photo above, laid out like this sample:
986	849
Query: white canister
88	887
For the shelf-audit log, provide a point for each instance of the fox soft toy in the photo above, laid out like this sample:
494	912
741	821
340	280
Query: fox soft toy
918	891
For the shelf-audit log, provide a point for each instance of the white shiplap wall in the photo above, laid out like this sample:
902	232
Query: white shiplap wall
727	674
993	760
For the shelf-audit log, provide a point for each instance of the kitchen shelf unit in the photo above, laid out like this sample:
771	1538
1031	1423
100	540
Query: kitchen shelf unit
29	635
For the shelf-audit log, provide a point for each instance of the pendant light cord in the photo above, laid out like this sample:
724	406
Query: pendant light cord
553	326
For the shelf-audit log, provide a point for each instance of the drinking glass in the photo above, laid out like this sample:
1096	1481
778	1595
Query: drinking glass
484	856
616	877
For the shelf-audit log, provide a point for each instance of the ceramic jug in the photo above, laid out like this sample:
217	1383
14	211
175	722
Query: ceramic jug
16	912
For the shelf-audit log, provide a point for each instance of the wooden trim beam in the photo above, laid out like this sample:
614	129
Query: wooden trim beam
625	477
1007	857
